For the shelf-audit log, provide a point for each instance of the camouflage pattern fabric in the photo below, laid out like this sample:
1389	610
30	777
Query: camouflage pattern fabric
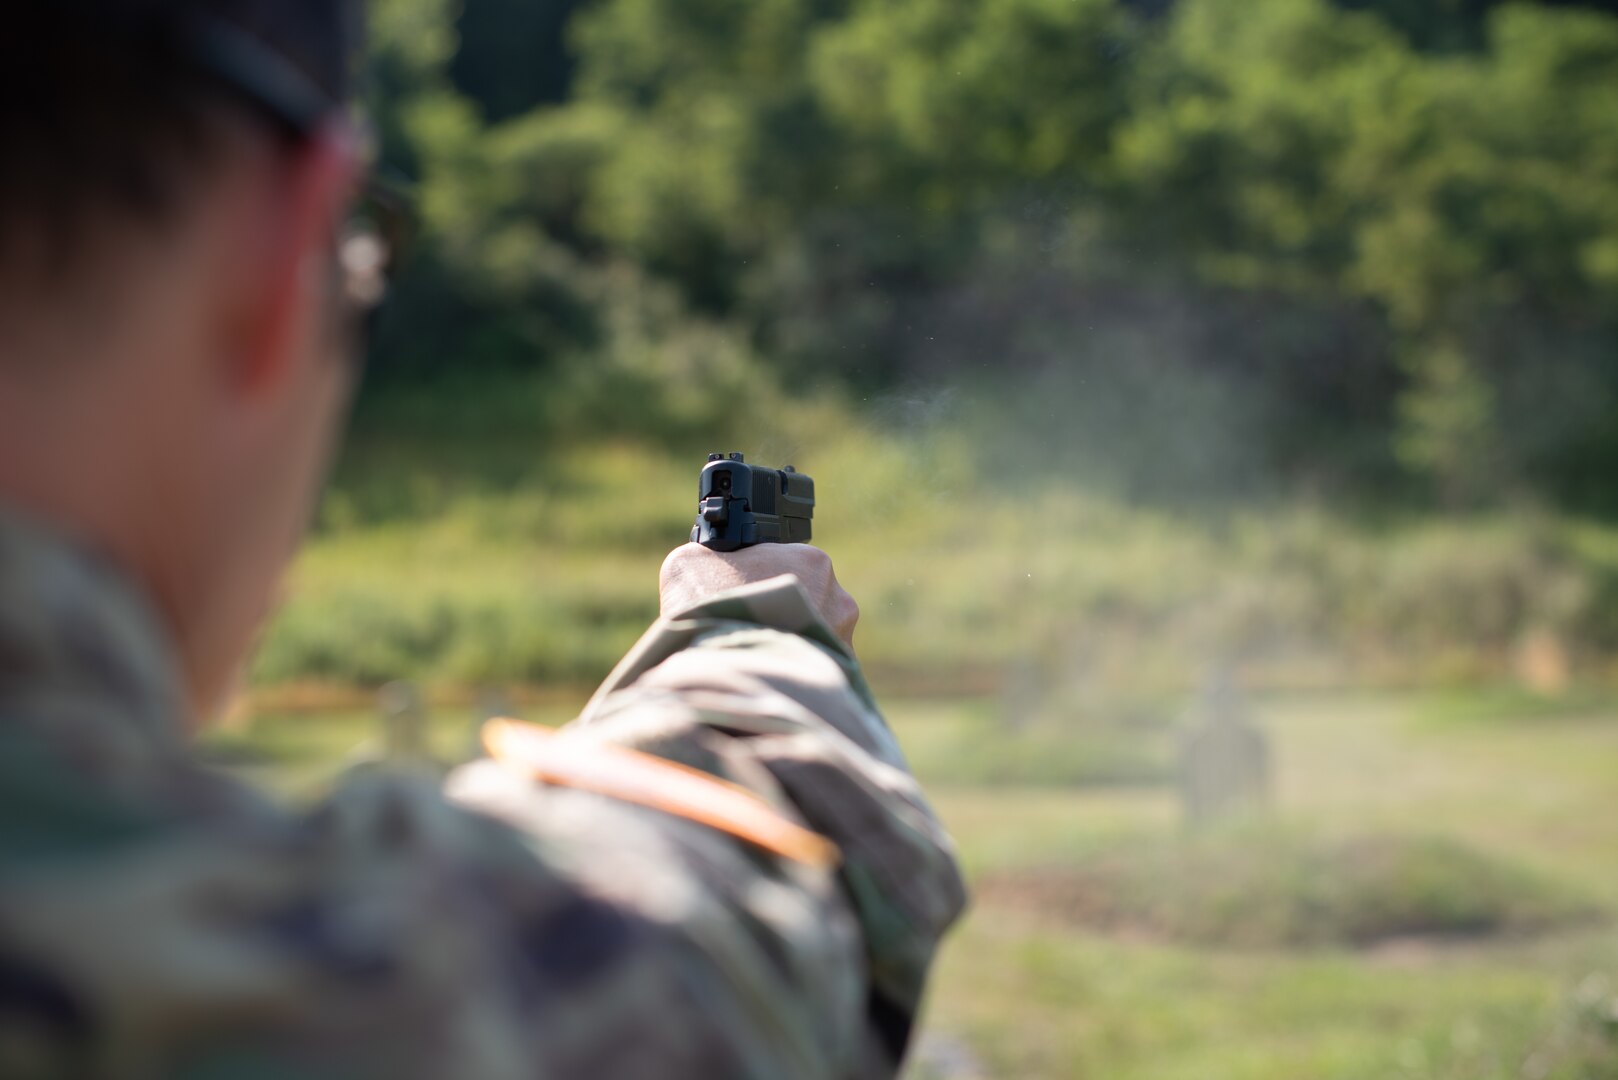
158	919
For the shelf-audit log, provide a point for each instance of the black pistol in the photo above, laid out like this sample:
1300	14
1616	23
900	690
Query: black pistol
739	505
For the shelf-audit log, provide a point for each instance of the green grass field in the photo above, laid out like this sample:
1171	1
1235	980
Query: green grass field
1034	995
463	560
1026	993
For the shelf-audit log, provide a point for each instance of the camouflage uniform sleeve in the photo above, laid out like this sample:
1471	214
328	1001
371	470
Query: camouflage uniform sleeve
158	919
811	971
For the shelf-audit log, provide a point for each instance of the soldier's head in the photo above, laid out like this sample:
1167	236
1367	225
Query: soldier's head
177	302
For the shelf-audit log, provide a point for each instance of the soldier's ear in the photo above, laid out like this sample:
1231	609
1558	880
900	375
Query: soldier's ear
296	274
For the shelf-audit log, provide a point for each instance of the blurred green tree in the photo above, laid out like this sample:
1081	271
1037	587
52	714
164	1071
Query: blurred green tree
830	183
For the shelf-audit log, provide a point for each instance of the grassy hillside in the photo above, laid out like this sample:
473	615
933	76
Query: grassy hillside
463	554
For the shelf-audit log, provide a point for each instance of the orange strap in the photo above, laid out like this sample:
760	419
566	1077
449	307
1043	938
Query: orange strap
646	780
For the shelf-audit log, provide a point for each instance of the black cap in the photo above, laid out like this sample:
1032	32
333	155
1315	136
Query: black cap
105	105
294	59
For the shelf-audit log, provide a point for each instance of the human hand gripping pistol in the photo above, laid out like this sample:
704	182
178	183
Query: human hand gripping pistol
739	505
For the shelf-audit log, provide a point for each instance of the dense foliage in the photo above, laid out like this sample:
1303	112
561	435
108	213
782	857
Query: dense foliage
1357	248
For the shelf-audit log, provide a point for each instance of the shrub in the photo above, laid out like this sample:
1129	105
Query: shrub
1260	887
